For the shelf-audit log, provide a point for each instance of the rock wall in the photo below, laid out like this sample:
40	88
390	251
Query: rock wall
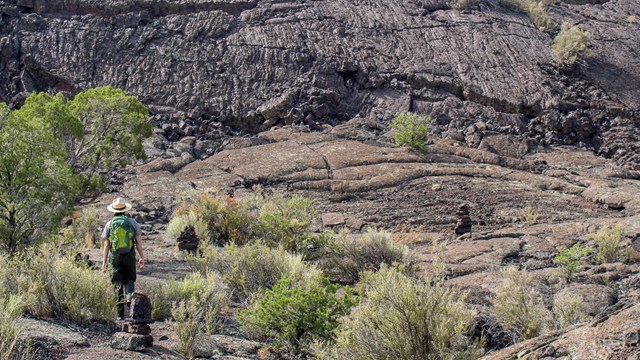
253	64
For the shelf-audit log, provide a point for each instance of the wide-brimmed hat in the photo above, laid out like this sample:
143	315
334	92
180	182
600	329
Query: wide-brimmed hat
119	205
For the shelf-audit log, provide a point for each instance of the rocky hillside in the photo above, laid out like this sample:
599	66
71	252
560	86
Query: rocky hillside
254	64
298	96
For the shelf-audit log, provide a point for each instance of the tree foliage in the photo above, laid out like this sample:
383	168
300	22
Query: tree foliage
56	151
37	185
99	127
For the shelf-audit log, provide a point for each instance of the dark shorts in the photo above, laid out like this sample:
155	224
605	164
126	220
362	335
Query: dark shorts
124	268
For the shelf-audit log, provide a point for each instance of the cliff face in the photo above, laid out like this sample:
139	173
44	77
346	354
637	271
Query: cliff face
254	64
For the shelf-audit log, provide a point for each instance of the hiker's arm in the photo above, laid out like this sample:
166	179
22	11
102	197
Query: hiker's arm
105	253
140	252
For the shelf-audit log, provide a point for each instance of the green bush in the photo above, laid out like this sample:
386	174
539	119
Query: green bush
347	258
519	306
571	45
569	309
210	294
573	259
294	315
251	269
410	130
400	317
608	242
186	325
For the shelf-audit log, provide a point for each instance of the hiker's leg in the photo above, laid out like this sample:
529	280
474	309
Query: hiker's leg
117	281
129	277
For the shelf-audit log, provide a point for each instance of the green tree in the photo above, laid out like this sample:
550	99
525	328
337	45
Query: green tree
37	185
98	128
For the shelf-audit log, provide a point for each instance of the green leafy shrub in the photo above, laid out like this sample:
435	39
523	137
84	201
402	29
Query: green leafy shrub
608	242
519	307
573	259
210	294
347	257
251	269
571	45
294	315
400	317
569	309
186	325
410	130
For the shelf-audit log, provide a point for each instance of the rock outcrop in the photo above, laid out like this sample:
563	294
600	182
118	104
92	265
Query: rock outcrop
253	64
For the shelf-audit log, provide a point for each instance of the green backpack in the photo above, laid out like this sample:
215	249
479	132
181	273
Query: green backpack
121	236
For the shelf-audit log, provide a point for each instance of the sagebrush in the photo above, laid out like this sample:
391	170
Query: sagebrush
571	45
400	317
519	306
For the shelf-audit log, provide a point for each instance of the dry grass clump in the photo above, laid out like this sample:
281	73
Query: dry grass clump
569	309
347	257
609	245
400	317
187	326
210	293
519	307
251	269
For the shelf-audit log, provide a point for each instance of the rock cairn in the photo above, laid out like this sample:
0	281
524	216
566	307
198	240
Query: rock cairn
463	225
136	332
188	240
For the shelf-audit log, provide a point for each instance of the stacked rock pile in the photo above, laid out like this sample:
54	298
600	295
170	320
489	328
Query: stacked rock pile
136	332
463	225
188	240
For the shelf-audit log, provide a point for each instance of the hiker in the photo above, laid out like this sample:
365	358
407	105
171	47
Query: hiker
119	236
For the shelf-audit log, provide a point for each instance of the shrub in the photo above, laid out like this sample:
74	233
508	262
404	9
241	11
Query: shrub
400	317
573	259
65	288
251	269
571	45
347	258
519	307
186	314
631	19
85	228
410	130
216	219
294	315
608	243
538	15
210	294
569	309
11	346
530	215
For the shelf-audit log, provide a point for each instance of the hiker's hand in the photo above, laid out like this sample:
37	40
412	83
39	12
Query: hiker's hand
104	267
141	263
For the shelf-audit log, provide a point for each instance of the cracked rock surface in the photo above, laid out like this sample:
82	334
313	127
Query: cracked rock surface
254	64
